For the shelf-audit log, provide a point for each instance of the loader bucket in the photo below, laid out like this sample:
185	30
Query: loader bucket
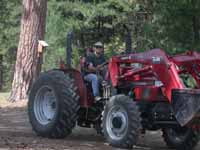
186	105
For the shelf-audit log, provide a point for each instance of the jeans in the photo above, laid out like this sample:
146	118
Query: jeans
92	78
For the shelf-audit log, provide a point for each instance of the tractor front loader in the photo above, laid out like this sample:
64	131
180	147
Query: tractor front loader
142	91
156	69
153	80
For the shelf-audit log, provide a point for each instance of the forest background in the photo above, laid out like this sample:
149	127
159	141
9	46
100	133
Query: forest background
173	25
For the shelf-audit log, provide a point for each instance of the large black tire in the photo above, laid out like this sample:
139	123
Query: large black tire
121	122
62	105
181	138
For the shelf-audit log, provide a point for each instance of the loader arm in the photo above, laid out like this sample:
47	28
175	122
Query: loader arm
158	62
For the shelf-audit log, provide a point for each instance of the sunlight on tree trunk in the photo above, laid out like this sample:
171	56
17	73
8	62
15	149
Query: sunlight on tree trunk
32	30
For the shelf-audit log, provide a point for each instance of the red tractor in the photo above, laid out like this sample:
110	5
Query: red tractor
143	91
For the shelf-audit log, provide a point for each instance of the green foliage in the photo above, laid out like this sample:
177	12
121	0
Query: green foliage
173	25
91	20
189	81
114	47
9	33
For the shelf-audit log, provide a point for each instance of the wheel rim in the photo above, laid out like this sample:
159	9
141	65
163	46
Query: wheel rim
45	105
117	122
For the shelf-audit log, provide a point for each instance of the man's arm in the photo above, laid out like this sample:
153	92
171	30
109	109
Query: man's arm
103	62
90	64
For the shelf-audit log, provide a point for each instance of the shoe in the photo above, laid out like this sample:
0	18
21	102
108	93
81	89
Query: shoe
97	98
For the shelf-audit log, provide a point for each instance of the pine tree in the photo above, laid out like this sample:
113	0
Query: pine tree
32	30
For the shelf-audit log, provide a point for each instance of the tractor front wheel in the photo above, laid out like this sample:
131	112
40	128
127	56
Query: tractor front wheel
121	121
53	105
181	138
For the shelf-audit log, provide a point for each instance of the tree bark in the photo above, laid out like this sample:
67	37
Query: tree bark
27	62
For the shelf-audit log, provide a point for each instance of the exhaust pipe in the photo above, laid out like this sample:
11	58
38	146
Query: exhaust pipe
128	40
69	42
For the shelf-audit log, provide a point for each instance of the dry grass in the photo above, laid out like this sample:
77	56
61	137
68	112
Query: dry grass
5	103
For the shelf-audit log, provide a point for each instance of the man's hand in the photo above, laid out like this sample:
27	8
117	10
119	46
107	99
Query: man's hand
99	67
92	68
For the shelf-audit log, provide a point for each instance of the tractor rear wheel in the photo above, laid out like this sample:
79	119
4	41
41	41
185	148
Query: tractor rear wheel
181	138
121	121
53	105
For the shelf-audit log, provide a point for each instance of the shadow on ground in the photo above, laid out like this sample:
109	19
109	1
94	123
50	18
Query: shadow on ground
16	133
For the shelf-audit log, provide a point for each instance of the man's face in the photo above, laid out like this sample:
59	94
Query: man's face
98	50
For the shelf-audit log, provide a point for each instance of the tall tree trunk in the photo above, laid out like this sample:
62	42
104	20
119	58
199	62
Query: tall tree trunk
27	64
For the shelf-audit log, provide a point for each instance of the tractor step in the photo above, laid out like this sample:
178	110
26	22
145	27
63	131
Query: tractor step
186	105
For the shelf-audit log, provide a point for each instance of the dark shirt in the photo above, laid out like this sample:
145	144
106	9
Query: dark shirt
95	60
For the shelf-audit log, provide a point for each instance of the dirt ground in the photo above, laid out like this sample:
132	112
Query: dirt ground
16	133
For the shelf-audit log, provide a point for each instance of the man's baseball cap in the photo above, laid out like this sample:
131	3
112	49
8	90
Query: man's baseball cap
98	44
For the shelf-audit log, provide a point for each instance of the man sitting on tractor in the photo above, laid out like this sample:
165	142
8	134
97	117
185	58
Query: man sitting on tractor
94	64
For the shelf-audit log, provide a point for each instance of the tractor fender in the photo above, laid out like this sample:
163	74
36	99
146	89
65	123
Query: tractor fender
79	83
